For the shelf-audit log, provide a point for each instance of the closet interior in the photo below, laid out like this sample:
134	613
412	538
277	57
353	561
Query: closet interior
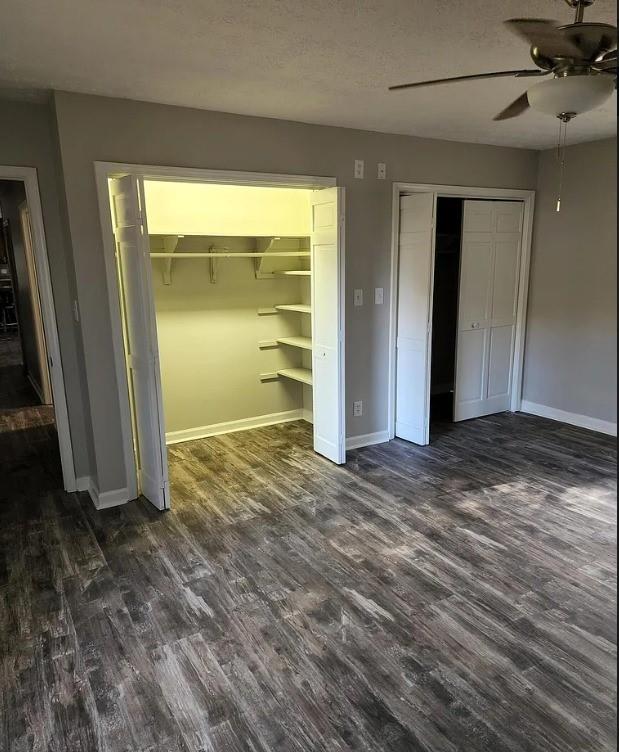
448	243
232	279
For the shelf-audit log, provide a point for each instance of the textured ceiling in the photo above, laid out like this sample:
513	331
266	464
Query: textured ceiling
322	61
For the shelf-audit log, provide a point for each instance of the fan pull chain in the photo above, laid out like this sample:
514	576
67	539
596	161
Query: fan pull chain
564	119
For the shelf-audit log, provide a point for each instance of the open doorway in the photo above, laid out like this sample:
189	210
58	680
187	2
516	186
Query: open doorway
230	302
458	304
28	436
445	310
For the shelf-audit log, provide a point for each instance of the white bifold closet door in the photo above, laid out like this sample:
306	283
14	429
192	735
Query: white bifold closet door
327	242
414	317
489	265
138	313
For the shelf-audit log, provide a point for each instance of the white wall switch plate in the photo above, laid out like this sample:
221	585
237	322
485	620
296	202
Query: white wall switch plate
359	165
382	171
357	408
358	297
378	295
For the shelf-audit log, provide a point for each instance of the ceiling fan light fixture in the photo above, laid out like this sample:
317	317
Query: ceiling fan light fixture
570	94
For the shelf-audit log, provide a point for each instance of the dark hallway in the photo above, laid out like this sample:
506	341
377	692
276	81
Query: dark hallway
29	455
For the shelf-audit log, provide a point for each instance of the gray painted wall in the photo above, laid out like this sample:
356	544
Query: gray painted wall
12	195
98	128
571	344
27	139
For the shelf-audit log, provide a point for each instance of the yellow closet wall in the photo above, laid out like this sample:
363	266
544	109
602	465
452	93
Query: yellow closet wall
175	208
208	339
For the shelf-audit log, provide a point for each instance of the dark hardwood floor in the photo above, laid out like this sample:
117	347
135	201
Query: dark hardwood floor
455	597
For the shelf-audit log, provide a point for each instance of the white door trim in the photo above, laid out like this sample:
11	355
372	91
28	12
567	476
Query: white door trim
459	191
28	176
106	170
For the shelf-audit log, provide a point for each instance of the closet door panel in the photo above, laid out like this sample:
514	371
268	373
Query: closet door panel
416	251
471	359
325	280
140	341
487	305
500	362
505	278
478	216
327	219
475	281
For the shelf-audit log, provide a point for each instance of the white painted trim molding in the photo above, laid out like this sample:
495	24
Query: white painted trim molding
464	192
104	171
244	424
108	499
28	176
105	500
574	419
36	388
83	483
367	439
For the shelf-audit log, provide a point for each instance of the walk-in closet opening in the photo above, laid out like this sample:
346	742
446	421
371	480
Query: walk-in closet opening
445	309
459	290
237	292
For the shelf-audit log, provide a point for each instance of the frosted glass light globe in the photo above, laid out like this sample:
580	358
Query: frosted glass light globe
572	94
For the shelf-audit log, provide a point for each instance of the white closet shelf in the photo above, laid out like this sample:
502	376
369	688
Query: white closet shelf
294	273
304	375
300	307
230	254
305	343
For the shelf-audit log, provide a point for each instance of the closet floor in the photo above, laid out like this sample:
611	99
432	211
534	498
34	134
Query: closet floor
459	596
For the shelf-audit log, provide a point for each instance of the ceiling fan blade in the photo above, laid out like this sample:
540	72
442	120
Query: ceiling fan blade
608	63
517	107
473	77
545	35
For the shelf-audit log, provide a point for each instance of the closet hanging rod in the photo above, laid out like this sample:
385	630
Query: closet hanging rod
232	254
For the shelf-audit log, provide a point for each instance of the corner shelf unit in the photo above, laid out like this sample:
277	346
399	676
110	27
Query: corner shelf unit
304	375
298	307
265	252
304	343
294	364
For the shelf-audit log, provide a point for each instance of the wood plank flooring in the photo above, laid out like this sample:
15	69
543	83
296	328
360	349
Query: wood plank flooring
458	597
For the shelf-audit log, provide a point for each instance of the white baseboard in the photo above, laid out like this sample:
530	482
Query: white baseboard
307	415
202	432
367	439
574	419
36	388
103	500
83	484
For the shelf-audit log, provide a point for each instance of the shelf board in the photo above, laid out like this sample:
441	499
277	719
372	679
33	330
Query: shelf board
305	343
230	254
304	375
299	307
294	273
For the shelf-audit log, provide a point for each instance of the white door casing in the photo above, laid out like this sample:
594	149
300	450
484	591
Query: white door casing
140	335
488	299
414	317
327	247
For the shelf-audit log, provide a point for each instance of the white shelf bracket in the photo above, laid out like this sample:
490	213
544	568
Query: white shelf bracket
170	243
212	266
258	261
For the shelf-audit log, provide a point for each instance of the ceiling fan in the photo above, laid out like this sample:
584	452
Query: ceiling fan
581	56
